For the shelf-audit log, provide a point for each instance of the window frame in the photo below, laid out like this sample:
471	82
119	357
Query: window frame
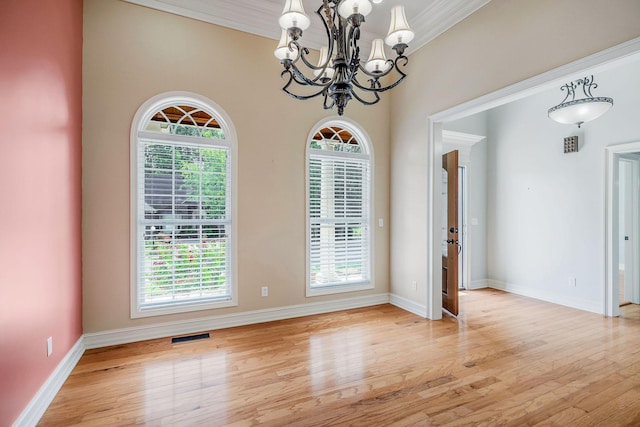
367	153
139	136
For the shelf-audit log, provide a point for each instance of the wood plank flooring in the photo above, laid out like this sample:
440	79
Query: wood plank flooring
507	360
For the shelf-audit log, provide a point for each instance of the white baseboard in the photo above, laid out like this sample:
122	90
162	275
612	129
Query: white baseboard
573	302
162	330
478	284
408	305
41	401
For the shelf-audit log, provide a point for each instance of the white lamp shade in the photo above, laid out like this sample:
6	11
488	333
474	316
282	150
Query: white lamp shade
580	111
399	31
293	16
351	7
377	62
329	71
283	51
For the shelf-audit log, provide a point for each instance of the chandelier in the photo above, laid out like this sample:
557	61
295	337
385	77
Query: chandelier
340	75
581	110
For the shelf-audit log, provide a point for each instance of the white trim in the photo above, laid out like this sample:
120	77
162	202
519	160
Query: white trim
140	119
611	227
461	142
43	398
608	58
408	305
478	284
193	141
162	330
366	143
260	18
434	260
527	291
600	61
460	138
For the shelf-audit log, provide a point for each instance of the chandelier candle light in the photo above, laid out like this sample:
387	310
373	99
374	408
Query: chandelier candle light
582	110
340	75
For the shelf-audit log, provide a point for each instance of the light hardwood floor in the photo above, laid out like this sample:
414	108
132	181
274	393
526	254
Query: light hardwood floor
507	360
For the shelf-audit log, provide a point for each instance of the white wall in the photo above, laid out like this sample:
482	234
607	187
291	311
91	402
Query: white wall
546	208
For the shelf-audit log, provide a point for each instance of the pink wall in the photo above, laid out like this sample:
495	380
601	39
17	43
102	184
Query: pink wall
40	191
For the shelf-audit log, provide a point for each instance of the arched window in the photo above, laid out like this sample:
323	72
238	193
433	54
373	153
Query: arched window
339	182
182	161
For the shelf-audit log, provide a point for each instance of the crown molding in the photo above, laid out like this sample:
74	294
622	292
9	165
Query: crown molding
459	138
439	17
261	17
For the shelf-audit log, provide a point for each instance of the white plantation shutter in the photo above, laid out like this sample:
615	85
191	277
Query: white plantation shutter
339	232
183	233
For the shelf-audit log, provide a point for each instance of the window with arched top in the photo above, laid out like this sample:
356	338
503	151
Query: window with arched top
182	163
339	200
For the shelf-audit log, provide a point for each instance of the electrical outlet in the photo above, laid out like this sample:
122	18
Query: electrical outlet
572	282
414	285
265	291
49	346
380	222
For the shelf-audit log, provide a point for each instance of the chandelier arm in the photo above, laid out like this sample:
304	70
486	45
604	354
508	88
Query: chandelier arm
380	75
292	79
352	54
378	89
364	101
328	29
299	77
303	97
336	76
326	98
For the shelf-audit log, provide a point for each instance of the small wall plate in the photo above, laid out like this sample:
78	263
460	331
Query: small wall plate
571	144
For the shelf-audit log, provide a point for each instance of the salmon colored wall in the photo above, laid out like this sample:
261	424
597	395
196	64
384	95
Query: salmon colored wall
40	193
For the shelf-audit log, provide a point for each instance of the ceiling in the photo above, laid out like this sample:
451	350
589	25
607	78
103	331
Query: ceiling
428	18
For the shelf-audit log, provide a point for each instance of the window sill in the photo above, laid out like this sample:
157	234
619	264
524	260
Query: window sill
181	308
338	289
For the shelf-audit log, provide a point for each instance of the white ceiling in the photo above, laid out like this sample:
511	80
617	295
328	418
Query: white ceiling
428	18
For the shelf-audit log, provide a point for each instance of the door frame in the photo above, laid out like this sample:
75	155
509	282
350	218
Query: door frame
463	142
632	246
597	62
613	154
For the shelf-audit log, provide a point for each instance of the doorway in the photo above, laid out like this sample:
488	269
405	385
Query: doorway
622	232
551	79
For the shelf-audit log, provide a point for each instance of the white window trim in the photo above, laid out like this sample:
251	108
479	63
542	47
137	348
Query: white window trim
365	142
140	120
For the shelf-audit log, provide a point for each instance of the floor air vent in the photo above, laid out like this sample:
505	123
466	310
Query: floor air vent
177	340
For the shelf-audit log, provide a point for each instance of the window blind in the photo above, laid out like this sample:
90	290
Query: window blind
339	219
183	223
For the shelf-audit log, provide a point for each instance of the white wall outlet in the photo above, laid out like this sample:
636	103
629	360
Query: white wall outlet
380	222
414	285
49	346
572	282
265	291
